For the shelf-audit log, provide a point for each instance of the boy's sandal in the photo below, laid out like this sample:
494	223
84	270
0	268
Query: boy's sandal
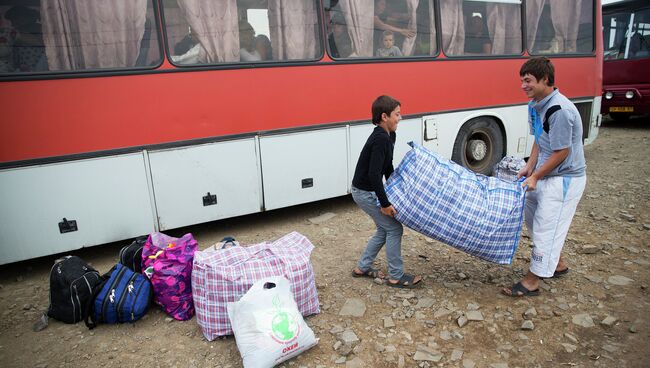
372	273
405	282
557	274
519	290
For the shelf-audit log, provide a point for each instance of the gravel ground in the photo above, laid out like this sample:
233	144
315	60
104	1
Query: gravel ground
596	316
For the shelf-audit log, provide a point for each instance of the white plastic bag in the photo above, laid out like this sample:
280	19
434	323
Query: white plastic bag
267	325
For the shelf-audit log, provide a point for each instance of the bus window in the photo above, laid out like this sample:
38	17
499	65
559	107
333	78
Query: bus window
381	29
79	35
471	28
615	28
248	31
640	38
560	27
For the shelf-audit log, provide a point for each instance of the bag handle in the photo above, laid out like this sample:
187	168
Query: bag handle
89	311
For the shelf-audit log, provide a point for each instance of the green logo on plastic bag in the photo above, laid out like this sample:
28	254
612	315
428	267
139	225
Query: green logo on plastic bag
284	326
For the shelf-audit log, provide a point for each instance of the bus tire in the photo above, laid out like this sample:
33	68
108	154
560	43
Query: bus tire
619	117
479	145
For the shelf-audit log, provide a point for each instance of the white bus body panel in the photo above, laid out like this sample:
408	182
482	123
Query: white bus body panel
448	125
595	120
107	197
407	131
290	159
183	176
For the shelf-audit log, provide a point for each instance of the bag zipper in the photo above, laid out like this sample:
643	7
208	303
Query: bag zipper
136	299
117	278
120	255
76	294
140	258
52	269
123	297
72	302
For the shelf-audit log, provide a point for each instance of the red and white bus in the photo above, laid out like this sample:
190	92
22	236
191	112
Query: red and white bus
123	117
626	70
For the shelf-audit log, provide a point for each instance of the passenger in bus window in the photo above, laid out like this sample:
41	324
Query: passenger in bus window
187	51
28	49
385	21
555	174
388	49
247	51
376	162
263	47
338	37
7	36
476	39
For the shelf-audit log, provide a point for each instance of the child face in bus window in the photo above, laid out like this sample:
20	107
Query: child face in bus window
388	41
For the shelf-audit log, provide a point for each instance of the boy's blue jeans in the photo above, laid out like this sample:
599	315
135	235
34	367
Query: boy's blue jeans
389	232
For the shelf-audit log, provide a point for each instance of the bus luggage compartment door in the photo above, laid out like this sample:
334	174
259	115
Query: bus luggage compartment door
304	167
205	182
65	206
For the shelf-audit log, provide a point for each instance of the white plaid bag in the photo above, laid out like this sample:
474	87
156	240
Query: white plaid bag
220	276
508	168
476	214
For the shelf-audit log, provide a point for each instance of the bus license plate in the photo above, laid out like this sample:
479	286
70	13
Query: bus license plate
621	109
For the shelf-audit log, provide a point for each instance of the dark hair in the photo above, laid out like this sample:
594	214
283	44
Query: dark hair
20	12
337	18
266	43
539	67
383	104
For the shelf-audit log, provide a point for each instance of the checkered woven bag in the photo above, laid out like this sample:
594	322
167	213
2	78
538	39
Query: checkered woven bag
476	214
220	276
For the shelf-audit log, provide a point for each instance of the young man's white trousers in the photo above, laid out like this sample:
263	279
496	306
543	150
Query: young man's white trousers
549	211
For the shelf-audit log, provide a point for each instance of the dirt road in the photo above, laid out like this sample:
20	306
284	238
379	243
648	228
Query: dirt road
608	250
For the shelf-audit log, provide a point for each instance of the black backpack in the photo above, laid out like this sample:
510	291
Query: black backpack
131	255
71	287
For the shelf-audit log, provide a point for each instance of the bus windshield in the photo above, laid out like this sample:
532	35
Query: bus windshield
627	35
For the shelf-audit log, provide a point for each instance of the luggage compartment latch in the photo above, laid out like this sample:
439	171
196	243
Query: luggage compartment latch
67	226
307	183
209	199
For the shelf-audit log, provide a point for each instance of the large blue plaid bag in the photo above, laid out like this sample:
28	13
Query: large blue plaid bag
476	214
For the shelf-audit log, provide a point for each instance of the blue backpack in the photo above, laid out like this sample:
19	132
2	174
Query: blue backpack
123	296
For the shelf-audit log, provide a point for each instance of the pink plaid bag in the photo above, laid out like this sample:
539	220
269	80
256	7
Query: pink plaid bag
222	276
167	261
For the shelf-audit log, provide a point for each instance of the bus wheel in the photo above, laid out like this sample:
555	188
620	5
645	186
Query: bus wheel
620	117
479	145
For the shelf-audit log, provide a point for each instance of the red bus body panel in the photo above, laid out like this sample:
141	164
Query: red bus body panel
620	76
58	117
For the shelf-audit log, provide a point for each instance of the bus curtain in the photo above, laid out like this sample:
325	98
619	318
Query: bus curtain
80	34
479	215
565	19
215	25
292	25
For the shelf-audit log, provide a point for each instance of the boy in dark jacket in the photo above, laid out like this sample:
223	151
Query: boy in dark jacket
376	162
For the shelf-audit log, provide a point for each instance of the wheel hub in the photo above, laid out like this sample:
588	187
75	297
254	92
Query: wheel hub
476	149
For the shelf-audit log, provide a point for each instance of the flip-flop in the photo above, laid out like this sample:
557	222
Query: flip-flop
372	273
518	288
558	274
405	282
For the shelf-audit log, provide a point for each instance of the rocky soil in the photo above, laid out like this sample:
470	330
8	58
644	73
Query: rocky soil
596	316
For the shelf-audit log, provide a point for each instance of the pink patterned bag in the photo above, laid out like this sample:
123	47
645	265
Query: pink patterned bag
222	276
167	261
